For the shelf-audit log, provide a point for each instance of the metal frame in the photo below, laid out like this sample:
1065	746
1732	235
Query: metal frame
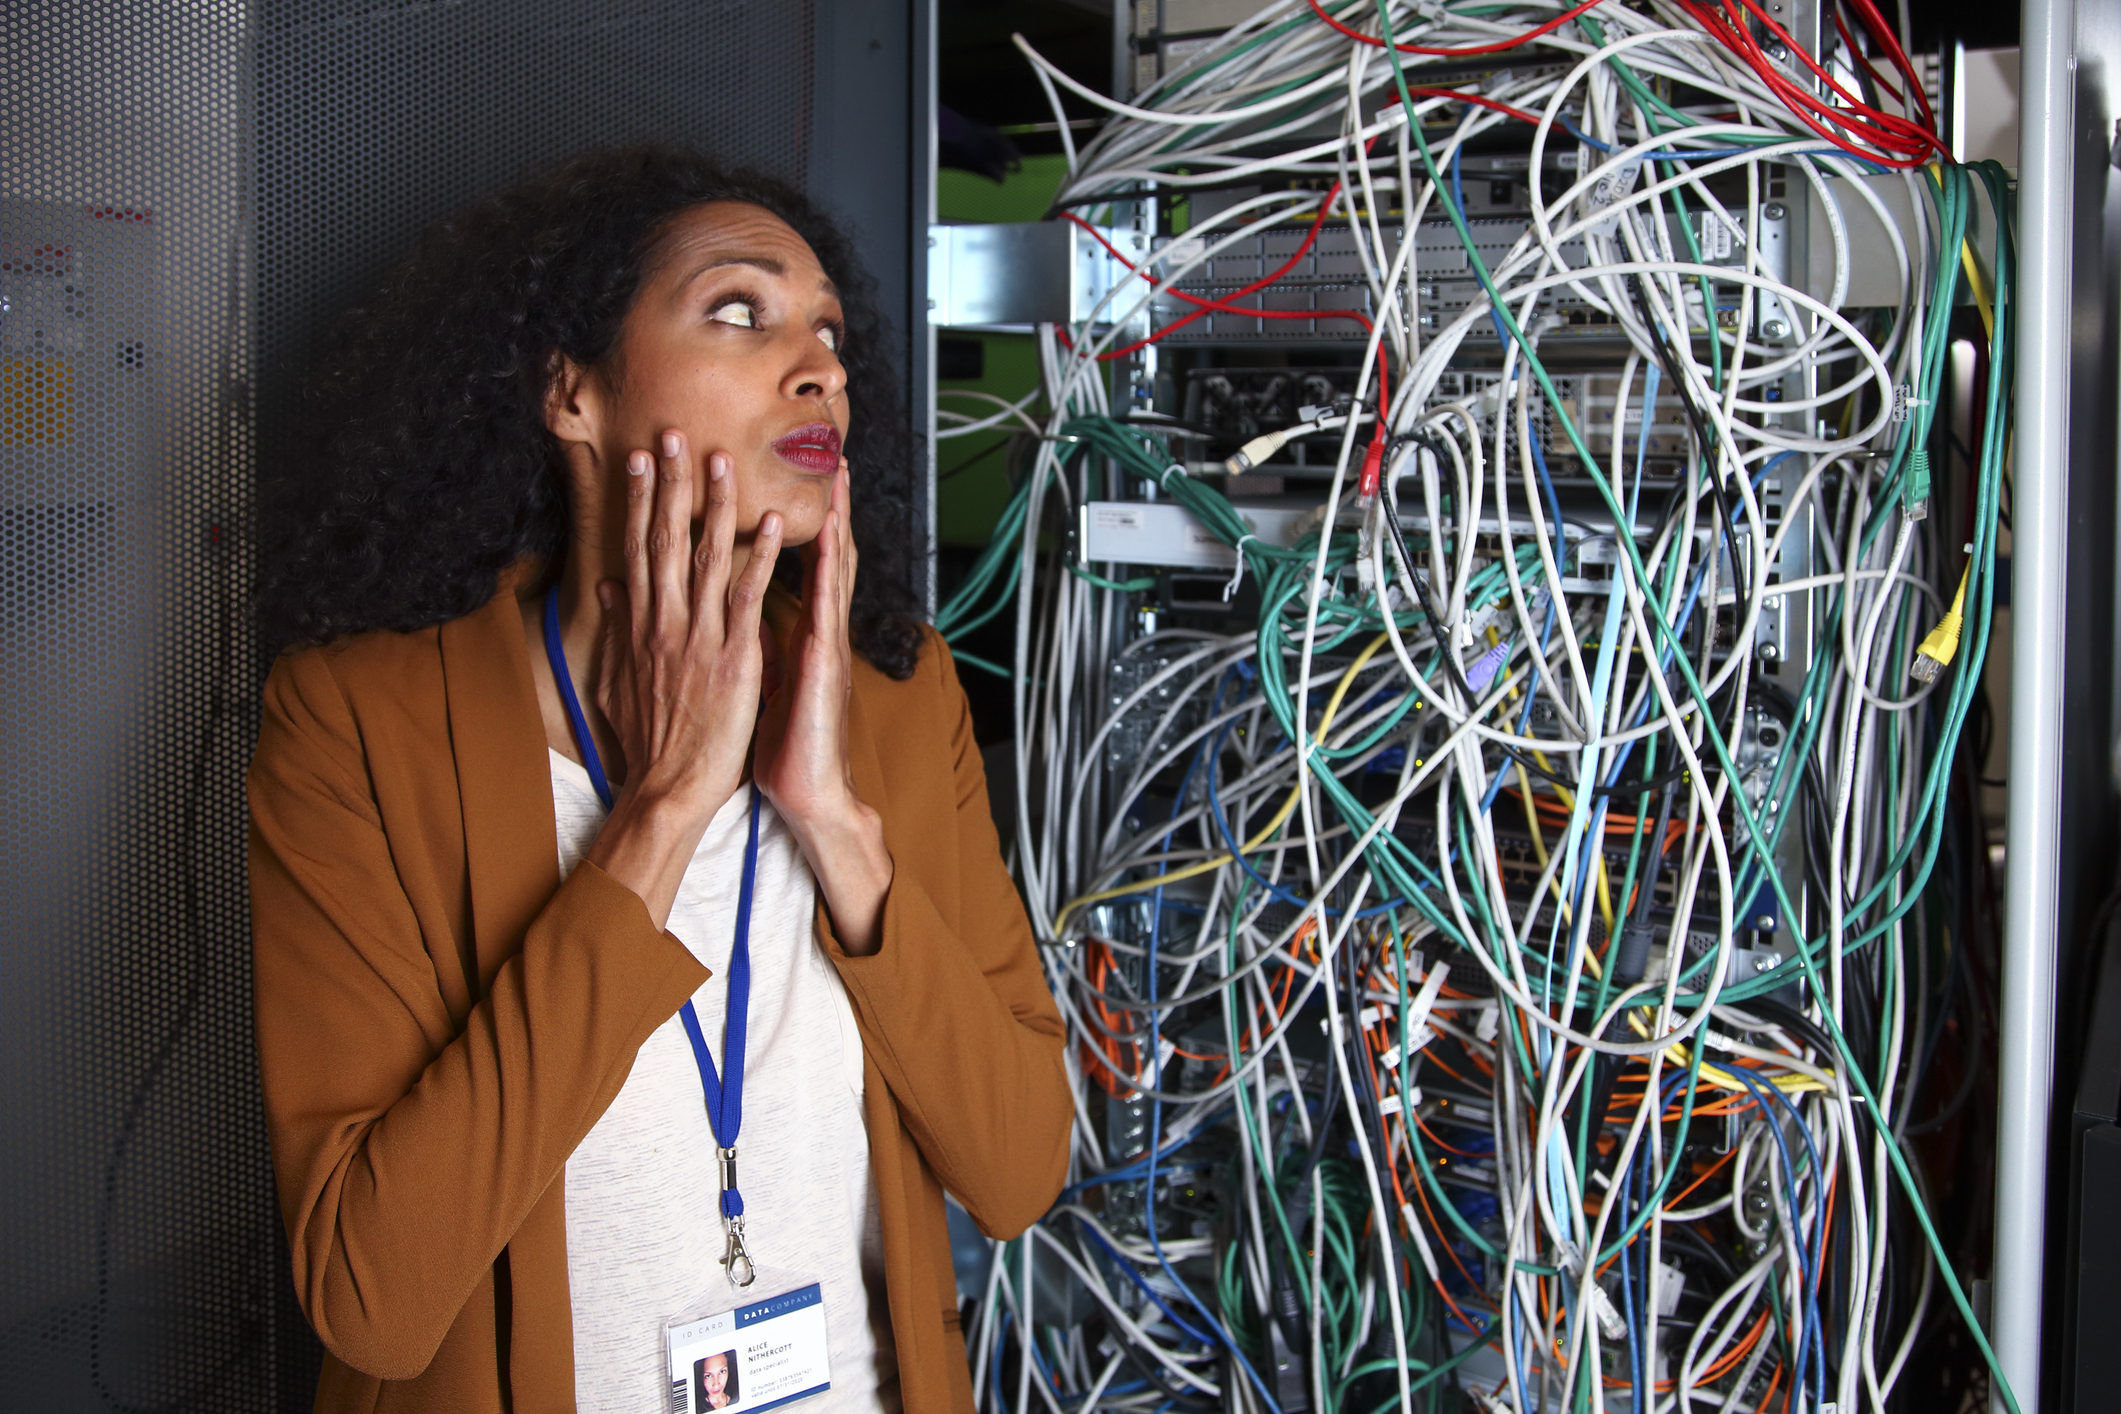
2033	899
877	175
923	94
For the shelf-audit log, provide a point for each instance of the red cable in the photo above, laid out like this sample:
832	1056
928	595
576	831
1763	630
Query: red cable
1889	40
1527	37
1882	130
1890	131
1863	61
1205	306
1480	101
1735	37
1893	122
1373	457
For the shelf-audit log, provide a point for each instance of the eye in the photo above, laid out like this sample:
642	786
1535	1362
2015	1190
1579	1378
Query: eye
831	336
740	312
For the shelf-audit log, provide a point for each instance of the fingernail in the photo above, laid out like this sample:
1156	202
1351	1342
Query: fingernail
638	463
670	444
770	523
717	467
605	595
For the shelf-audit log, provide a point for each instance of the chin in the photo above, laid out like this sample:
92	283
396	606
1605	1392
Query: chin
802	505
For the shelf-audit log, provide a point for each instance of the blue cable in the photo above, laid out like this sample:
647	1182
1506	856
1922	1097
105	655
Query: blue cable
1230	843
1136	1169
1127	1268
1806	1262
1636	1299
1708	153
1156	1104
1001	1328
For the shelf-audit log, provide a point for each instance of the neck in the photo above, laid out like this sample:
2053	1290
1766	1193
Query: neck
582	639
582	617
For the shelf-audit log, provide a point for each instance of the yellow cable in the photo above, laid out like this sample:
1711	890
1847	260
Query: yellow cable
1941	643
1598	874
1720	1078
1288	808
1539	844
1978	283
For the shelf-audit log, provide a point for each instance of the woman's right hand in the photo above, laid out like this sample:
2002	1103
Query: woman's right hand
680	666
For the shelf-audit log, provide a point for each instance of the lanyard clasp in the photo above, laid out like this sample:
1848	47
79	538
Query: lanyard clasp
736	1259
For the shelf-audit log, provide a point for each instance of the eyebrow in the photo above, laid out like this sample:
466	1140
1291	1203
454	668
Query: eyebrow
766	263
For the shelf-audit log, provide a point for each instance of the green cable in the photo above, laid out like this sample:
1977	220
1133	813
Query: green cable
1117	586
1283	703
1664	628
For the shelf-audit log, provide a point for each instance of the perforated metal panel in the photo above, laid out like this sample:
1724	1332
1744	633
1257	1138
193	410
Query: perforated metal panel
378	119
190	190
136	1240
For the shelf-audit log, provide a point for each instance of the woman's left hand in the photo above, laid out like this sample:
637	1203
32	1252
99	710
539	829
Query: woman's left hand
800	752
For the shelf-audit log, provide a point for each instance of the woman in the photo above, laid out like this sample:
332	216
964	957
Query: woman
632	939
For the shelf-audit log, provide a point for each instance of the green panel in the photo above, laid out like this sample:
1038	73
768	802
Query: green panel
963	196
972	480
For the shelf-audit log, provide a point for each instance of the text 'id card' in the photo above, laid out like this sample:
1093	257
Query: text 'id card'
759	1356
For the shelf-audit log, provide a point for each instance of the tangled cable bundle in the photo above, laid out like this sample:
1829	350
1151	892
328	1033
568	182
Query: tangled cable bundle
1507	972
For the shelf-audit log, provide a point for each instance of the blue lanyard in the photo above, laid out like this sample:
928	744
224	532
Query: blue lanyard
725	1102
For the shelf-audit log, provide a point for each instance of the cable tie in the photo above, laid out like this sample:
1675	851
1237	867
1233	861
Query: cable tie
1417	1042
1237	575
1424	1002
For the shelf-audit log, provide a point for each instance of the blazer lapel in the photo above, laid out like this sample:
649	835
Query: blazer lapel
512	852
510	839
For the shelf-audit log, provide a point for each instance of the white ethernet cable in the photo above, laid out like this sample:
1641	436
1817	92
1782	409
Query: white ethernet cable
1205	883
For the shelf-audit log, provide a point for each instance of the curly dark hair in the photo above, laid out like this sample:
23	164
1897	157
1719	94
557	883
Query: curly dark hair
428	467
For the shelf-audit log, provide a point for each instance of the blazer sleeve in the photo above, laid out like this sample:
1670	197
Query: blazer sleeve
409	1145
956	1011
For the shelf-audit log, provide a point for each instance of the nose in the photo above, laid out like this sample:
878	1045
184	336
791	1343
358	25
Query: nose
814	371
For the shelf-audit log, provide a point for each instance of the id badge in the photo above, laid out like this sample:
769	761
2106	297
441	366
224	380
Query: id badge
756	1356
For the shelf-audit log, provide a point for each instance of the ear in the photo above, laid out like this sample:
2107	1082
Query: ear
574	402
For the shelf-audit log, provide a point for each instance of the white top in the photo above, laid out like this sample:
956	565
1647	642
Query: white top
644	1227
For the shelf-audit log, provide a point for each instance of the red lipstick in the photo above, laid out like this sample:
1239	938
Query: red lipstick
815	448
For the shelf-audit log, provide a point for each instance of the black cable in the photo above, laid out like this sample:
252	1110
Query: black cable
1705	438
234	414
190	834
1435	614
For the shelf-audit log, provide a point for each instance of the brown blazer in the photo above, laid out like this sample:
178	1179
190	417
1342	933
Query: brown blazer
441	1020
